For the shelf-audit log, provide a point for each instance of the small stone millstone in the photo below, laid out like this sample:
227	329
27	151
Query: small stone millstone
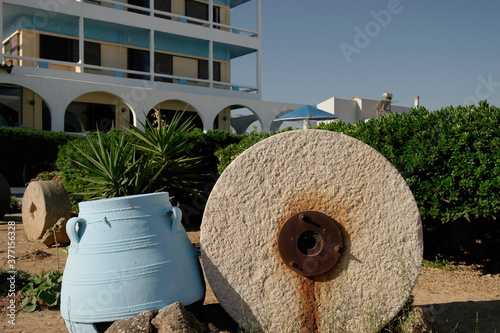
344	179
45	203
171	319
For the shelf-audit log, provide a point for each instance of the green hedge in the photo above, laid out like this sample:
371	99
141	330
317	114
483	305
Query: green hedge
450	158
206	144
227	154
25	152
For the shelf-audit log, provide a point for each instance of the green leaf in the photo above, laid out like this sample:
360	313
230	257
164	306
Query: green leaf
29	304
49	297
28	289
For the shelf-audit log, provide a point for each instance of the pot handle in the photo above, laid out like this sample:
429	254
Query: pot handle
71	229
175	215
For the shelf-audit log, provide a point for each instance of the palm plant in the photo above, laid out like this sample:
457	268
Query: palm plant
140	161
166	147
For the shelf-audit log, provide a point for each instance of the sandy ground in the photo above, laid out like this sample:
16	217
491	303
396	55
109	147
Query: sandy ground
463	300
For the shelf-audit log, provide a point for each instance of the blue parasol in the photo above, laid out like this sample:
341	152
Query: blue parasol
307	113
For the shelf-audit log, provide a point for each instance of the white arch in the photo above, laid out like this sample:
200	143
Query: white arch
59	89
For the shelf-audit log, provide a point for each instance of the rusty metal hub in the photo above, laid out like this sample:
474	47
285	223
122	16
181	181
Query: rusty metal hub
310	243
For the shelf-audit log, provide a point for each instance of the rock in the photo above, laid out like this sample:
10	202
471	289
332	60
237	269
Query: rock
175	319
60	233
171	319
138	324
214	329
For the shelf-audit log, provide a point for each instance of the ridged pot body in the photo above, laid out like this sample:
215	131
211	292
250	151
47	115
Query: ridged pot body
127	255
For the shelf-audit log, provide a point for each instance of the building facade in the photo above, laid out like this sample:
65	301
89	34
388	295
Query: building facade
80	65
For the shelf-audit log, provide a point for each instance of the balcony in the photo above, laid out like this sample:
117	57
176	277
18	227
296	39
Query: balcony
103	47
121	74
205	14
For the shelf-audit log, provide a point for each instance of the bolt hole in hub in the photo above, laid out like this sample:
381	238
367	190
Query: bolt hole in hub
310	243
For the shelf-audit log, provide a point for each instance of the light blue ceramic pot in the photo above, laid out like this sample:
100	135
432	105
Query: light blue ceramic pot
127	255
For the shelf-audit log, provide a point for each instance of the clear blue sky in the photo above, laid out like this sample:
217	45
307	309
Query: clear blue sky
445	51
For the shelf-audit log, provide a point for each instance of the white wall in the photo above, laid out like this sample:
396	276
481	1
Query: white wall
356	108
344	108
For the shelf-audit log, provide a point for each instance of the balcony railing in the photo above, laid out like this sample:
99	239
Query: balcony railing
121	73
171	16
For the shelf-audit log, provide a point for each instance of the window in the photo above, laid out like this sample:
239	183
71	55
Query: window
66	49
82	117
203	70
58	48
163	5
197	10
10	105
140	3
138	60
92	53
216	15
163	65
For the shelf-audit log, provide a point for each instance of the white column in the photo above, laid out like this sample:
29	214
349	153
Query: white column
211	13
151	54
211	62
81	44
259	60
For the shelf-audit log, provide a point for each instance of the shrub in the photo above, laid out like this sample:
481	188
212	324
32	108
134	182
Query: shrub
47	176
26	152
204	145
68	158
449	158
175	158
118	163
14	206
207	144
228	154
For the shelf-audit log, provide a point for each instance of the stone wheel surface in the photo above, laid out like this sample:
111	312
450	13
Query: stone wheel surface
327	172
44	203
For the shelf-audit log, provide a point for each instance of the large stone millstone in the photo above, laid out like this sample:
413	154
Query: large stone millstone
341	183
44	203
4	196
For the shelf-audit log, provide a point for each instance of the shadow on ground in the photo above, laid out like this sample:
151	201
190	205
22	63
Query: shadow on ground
474	316
468	243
